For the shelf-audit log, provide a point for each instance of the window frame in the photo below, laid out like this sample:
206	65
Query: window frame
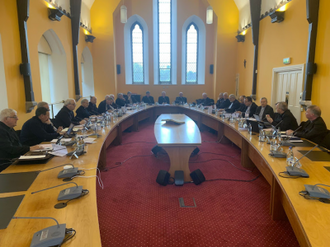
197	55
132	62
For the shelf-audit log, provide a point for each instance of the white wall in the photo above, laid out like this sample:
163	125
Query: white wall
3	87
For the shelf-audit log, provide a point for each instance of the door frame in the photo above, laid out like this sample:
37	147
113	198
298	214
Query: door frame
276	71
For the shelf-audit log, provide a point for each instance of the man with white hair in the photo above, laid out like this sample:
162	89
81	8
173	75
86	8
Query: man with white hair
181	100
92	108
163	99
264	109
284	118
65	116
10	146
82	111
234	104
120	101
205	101
226	102
104	106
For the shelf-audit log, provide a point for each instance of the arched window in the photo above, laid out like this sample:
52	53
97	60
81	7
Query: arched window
192	54
136	51
193	51
165	27
137	54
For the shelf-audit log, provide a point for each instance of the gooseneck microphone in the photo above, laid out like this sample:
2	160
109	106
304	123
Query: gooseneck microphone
57	167
37	218
55	187
294	132
305	155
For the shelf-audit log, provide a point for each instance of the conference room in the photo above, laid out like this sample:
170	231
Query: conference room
164	123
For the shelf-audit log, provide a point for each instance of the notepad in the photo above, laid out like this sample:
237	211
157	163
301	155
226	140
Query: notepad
173	121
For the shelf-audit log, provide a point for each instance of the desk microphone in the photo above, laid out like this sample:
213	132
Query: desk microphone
66	172
275	127
294	132
295	171
57	167
50	236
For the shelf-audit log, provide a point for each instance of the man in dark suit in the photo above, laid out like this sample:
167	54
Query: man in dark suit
264	109
104	106
205	101
130	100
242	106
120	101
220	100
35	130
82	111
163	99
181	100
250	108
226	102
65	116
234	104
314	129
10	146
285	119
92	108
148	99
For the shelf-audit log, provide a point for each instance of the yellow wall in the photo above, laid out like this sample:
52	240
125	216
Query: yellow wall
38	23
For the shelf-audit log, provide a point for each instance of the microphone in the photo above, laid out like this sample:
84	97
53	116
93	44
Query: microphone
59	140
294	132
275	127
305	154
50	236
57	167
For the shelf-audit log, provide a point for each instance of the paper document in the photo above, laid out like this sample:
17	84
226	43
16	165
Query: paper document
32	157
89	140
296	141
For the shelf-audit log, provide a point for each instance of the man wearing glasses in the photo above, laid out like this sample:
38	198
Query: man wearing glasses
10	146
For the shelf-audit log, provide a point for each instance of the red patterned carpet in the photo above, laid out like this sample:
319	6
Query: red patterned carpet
136	211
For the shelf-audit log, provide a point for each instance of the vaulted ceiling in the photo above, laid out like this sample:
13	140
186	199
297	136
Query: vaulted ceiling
89	3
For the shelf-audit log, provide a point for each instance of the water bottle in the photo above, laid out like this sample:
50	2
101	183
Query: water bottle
261	135
290	158
250	129
273	144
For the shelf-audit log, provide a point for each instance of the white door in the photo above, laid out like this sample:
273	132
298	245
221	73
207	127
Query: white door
288	88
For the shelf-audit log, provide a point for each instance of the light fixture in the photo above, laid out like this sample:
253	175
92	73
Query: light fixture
209	15
54	14
276	16
240	38
123	14
89	38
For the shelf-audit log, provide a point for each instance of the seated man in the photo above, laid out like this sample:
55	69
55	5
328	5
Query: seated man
163	99
130	100
105	104
10	146
181	100
35	130
92	108
250	108
82	111
112	104
234	104
120	101
226	102
205	101
65	116
242	107
220	100
49	121
148	99
264	109
285	119
314	129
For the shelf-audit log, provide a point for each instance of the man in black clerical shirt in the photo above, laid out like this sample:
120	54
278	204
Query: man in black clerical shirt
82	111
130	100
242	106
65	116
234	104
285	119
10	146
148	99
163	99
205	101
225	103
250	108
181	100
120	101
35	130
264	109
220	100
314	129
92	108
105	104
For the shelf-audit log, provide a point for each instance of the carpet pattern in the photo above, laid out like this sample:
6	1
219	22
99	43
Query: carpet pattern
136	211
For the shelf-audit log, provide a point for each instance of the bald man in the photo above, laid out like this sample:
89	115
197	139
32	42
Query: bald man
205	101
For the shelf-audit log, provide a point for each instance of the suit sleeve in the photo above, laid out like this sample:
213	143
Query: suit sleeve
318	129
40	132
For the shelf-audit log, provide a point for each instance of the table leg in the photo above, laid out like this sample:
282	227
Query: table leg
179	158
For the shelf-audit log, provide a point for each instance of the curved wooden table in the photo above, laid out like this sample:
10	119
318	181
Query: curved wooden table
310	219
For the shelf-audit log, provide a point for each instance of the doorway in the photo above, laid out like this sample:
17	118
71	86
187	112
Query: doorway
288	86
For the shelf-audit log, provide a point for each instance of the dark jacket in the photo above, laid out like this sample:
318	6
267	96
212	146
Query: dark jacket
285	121
83	112
165	100
242	107
253	109
92	109
34	132
233	106
114	105
64	118
132	101
120	102
148	100
219	102
225	104
103	107
268	110
181	100
313	130
10	146
205	102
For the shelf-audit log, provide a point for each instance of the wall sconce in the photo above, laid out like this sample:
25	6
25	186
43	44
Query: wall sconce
209	15
240	38
89	38
54	14
276	16
123	14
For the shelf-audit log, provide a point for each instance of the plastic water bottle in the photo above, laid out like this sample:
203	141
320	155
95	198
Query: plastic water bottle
250	129
273	144
290	157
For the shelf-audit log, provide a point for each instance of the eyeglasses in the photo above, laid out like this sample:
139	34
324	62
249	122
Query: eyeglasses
15	117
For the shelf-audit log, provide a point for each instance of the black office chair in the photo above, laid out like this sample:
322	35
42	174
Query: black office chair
326	141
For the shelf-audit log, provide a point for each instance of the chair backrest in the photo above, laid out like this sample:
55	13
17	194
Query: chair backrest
326	141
